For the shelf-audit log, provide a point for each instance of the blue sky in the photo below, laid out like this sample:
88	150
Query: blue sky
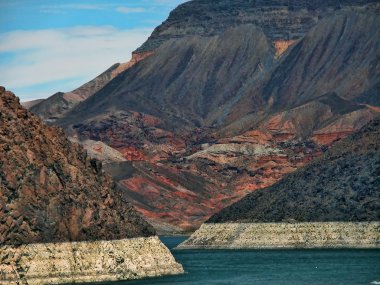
55	45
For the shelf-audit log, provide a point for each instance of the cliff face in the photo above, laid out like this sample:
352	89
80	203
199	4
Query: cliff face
285	235
100	261
51	191
279	19
239	93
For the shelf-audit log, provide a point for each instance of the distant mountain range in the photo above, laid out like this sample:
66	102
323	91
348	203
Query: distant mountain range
225	98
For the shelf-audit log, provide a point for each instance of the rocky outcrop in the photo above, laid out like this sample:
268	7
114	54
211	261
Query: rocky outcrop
186	192
326	119
100	151
79	262
284	235
282	46
136	58
52	196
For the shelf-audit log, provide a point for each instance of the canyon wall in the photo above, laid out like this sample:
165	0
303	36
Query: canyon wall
285	235
59	263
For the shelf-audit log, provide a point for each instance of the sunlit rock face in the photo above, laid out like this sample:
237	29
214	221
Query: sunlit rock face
281	46
82	262
285	235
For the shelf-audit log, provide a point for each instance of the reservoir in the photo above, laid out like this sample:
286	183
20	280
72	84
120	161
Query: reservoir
270	267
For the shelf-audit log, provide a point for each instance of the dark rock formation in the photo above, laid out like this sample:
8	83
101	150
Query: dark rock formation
341	185
51	191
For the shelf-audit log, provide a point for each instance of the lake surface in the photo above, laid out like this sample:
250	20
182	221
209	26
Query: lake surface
274	267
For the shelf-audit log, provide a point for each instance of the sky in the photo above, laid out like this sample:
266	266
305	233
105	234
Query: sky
48	46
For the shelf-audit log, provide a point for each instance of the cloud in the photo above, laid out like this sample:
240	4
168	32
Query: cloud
44	56
167	2
74	7
129	10
63	8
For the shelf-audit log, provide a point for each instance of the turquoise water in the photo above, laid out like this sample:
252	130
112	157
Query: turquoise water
274	267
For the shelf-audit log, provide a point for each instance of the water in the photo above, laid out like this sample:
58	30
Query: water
270	267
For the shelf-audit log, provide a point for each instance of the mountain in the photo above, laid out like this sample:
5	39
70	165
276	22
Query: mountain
237	94
279	19
221	78
30	104
333	202
60	103
341	185
51	191
61	218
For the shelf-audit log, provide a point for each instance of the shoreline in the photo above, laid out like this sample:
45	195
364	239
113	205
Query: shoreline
318	235
83	262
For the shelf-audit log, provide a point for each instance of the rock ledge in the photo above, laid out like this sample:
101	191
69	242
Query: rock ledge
285	235
79	262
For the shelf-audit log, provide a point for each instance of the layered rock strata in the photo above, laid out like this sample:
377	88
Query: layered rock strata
285	235
78	262
279	19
